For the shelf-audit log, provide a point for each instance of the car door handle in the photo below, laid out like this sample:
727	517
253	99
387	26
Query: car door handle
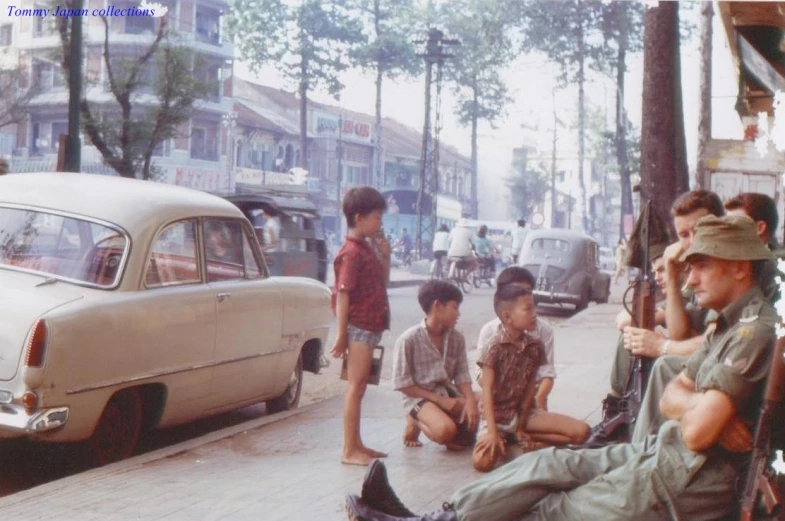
223	296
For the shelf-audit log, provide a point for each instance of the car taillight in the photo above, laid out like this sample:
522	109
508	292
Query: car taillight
36	346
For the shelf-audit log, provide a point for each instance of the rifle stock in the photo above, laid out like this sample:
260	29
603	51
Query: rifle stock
758	486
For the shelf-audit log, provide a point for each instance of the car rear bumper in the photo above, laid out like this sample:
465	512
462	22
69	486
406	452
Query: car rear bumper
555	297
15	420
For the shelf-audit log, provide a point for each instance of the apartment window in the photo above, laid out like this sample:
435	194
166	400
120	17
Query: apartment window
210	76
43	26
204	142
163	148
208	25
139	24
6	35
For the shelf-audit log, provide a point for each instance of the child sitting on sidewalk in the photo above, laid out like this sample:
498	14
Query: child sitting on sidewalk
361	307
543	331
512	425
429	362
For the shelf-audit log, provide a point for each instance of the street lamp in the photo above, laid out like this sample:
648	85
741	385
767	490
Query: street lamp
229	122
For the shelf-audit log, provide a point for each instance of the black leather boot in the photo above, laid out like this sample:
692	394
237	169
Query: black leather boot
358	510
379	495
611	429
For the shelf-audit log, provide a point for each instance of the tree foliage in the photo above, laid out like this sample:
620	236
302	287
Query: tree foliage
527	189
14	99
391	27
484	29
152	92
308	42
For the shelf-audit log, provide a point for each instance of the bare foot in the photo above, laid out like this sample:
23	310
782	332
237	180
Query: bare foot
359	457
411	434
374	453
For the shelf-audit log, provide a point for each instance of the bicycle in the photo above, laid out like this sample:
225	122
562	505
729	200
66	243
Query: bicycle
458	274
484	273
437	269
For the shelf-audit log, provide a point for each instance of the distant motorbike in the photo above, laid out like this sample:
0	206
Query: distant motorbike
399	259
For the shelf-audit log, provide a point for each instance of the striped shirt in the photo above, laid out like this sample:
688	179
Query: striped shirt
417	362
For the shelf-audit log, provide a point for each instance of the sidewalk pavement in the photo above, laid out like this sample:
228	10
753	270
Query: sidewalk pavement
398	278
286	466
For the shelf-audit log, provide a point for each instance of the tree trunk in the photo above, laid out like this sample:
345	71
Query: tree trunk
621	135
663	147
378	158
553	162
704	118
582	119
475	162
303	115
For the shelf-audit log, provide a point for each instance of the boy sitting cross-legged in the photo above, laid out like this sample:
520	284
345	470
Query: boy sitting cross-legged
509	367
429	363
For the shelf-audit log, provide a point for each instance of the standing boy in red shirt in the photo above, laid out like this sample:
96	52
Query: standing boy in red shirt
362	269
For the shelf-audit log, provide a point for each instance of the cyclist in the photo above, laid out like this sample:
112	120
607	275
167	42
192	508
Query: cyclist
484	249
461	251
441	243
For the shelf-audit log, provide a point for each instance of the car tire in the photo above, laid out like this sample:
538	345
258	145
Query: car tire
604	300
290	398
118	431
585	297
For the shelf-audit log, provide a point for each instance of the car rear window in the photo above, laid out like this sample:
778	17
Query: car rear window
64	247
551	245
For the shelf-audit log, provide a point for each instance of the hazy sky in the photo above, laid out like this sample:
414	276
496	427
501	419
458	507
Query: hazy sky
531	82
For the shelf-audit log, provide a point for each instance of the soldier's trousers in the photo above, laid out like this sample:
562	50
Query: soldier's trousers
649	419
620	370
657	479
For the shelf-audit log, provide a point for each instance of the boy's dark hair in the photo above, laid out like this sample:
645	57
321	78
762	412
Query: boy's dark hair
514	275
760	207
440	290
689	202
443	228
361	200
482	232
508	294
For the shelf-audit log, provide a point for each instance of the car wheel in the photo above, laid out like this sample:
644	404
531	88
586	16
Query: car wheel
291	396
119	429
585	296
604	300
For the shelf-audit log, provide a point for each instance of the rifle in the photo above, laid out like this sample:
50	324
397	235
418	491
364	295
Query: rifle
760	488
643	310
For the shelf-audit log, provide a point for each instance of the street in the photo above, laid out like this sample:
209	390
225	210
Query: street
26	465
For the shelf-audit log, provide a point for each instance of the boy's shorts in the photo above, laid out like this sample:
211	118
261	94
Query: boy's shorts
466	437
364	336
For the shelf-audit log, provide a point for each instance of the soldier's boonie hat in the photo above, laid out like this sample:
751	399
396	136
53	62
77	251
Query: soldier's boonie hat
732	237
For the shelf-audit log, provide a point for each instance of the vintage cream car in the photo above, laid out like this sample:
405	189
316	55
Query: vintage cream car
128	305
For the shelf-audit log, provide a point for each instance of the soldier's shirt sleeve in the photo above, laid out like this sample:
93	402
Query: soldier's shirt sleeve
694	362
462	367
402	362
742	365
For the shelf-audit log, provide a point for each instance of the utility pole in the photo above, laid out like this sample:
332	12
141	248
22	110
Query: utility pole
704	118
429	169
73	151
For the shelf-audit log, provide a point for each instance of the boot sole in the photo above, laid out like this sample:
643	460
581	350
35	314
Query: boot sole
351	514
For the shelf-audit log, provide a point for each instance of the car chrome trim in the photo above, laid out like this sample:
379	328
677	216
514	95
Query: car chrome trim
16	418
6	396
134	379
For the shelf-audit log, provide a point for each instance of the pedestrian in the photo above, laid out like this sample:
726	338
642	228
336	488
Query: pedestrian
691	467
272	230
621	260
517	276
431	370
484	249
359	300
441	243
3	166
518	238
461	250
512	424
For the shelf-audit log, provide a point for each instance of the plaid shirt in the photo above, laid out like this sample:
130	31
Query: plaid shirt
416	361
360	273
515	365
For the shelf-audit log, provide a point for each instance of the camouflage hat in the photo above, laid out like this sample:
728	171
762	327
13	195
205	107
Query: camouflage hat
732	237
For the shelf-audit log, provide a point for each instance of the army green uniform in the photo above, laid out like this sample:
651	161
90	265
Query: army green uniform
658	478
621	370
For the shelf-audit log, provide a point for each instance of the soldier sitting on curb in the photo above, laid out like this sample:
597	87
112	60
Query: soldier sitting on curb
682	340
689	469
